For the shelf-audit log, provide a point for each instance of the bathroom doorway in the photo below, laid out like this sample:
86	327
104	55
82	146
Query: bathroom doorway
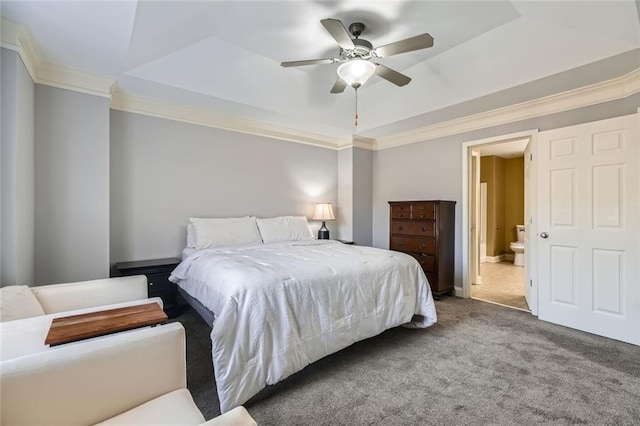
496	218
501	224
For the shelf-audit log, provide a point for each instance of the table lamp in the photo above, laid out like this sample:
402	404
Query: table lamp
323	212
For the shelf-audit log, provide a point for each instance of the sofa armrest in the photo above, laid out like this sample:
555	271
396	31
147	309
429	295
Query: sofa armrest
89	383
239	416
86	294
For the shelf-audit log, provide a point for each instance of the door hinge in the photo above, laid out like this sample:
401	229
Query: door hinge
530	283
531	220
530	156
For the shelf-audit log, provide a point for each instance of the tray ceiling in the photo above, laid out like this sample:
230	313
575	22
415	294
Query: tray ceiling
225	56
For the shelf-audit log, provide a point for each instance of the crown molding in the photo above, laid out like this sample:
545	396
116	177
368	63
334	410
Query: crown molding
363	143
356	141
72	79
18	38
75	80
606	91
205	117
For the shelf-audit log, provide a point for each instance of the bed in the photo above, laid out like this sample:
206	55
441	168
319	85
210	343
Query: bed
278	304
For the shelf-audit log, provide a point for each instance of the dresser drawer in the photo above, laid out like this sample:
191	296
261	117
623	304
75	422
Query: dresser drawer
402	211
417	245
423	211
427	261
416	228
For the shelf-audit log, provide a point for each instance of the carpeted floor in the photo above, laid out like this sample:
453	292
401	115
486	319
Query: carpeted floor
481	364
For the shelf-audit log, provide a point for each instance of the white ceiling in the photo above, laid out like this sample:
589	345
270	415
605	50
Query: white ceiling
225	55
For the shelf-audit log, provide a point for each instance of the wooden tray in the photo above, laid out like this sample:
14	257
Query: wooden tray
93	324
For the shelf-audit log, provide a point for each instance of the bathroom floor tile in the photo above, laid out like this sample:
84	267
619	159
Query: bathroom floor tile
501	283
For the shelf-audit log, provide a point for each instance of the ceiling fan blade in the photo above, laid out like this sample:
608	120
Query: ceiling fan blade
339	86
418	42
338	32
393	76
308	62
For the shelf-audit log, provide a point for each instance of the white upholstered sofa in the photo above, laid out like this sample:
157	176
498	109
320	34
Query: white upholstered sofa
131	378
26	312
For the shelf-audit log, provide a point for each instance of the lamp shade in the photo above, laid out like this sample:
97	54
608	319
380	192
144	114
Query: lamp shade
356	72
323	212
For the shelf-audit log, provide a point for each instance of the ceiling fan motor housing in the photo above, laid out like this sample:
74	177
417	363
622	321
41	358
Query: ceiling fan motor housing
356	29
363	49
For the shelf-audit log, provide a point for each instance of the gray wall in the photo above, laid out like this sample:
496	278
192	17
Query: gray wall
17	171
362	196
355	189
433	169
71	186
163	172
344	210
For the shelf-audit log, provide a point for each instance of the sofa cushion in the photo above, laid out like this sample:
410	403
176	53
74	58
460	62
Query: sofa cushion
17	302
173	408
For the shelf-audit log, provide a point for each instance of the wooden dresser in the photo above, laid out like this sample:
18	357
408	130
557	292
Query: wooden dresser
426	231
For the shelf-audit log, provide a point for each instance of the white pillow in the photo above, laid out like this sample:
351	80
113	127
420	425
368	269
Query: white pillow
191	236
18	301
284	228
225	231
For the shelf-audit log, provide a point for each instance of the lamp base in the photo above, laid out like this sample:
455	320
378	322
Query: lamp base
323	232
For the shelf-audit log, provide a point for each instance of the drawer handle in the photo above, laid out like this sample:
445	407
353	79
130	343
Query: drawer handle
423	254
423	229
401	243
400	228
423	245
421	208
401	215
421	216
150	284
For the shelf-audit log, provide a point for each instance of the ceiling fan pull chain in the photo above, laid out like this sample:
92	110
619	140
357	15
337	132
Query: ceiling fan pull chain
356	107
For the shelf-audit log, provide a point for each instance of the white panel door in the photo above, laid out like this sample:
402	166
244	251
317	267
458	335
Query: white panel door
588	222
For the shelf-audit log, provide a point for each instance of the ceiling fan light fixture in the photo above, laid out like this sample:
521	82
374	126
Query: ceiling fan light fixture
356	72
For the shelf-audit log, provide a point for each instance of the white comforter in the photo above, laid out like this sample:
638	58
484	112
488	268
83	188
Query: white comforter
282	306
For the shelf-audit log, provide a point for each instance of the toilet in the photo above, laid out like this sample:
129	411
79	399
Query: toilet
517	247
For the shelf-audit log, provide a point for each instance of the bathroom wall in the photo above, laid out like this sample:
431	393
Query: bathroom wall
505	200
492	173
513	199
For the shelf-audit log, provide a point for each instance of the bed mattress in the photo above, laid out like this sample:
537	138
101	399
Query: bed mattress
279	307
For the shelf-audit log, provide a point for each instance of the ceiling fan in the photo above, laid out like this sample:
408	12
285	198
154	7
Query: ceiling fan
358	56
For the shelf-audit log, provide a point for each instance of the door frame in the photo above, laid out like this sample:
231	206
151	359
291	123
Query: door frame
474	216
467	148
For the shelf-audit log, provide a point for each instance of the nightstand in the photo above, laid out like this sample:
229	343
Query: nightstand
157	272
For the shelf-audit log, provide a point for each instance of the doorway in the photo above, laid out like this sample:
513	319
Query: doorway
495	229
